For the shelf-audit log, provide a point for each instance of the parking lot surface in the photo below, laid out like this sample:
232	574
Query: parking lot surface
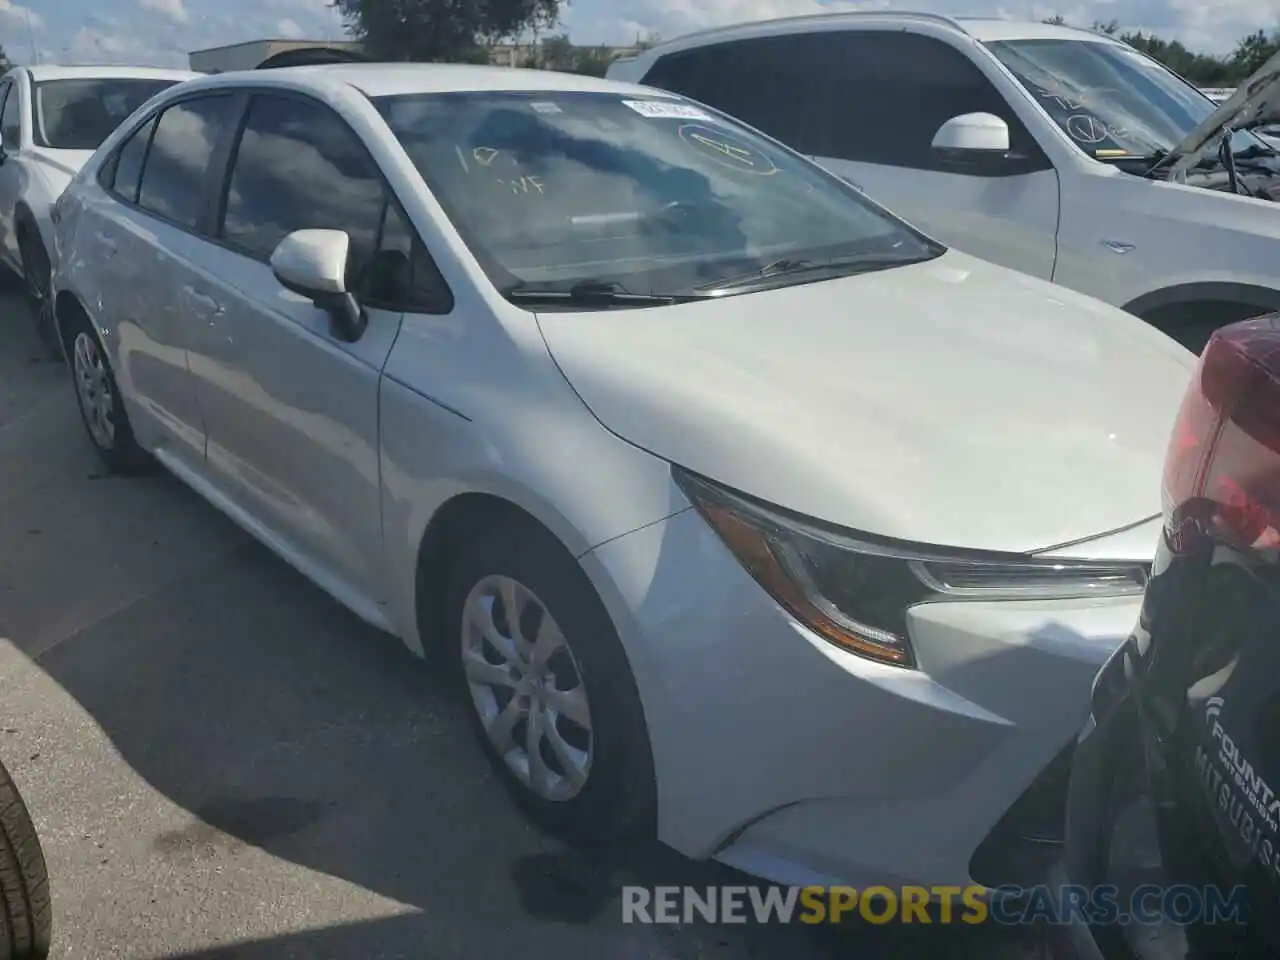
223	763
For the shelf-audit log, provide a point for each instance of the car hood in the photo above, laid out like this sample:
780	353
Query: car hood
1255	103
951	402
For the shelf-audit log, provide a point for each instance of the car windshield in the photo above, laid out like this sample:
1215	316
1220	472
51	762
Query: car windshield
79	114
653	196
1112	101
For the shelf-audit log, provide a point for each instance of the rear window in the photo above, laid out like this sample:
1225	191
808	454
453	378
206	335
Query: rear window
79	114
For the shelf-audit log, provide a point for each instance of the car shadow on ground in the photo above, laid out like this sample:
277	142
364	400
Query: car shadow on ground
278	720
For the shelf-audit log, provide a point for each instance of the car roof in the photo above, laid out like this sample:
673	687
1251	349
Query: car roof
384	79
982	29
50	71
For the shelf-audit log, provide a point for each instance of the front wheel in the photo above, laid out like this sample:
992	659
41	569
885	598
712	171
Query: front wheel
549	688
26	913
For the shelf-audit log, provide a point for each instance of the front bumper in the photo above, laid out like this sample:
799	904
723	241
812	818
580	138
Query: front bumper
782	755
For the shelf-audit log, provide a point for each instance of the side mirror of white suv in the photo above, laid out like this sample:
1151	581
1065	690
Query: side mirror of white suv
973	136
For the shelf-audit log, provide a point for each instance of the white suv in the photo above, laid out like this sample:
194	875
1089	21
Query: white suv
1051	150
52	120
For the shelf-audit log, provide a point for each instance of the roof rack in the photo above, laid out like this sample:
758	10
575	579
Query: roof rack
918	16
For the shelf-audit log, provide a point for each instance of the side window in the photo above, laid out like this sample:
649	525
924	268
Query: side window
888	92
403	276
866	96
177	165
11	118
123	171
299	166
764	82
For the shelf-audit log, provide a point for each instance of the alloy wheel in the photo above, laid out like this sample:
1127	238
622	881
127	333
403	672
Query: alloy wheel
93	385
527	688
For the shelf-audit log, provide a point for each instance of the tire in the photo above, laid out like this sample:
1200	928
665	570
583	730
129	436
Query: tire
37	277
26	912
101	406
608	794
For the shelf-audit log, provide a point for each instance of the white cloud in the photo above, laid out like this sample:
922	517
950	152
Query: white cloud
173	9
289	29
21	15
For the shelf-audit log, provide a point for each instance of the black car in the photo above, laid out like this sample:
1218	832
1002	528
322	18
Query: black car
1173	814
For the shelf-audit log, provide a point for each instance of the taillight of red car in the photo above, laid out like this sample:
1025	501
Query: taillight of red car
1222	468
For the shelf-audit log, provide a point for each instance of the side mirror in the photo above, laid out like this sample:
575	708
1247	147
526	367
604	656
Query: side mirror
972	139
313	264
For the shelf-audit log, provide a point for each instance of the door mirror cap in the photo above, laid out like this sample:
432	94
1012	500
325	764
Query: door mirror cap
973	134
313	264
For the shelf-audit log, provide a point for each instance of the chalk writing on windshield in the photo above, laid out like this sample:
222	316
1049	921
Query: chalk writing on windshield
1087	129
726	150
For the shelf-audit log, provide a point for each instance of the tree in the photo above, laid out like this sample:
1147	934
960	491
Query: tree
1253	51
1202	69
442	30
558	53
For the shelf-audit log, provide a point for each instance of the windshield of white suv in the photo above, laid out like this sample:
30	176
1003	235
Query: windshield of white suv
79	114
639	197
1112	101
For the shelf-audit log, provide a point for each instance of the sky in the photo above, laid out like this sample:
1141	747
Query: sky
162	32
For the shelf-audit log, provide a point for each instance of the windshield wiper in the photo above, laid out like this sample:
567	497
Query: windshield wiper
591	293
858	263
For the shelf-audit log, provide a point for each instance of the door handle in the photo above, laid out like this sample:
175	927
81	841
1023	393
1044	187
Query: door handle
205	306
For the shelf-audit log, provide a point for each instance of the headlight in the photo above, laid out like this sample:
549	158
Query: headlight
854	590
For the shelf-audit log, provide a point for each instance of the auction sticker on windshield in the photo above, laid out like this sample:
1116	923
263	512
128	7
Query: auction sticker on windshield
666	110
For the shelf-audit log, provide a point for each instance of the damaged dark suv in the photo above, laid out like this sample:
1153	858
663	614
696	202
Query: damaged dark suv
1174	805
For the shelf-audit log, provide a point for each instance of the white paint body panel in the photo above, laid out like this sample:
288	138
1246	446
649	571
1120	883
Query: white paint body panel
34	177
954	402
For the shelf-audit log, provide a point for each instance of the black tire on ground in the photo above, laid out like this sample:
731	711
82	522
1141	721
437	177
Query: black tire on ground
618	799
37	286
26	912
121	453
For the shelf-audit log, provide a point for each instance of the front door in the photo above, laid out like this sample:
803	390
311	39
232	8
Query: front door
292	410
866	104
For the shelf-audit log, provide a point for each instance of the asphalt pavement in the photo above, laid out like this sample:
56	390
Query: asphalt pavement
222	762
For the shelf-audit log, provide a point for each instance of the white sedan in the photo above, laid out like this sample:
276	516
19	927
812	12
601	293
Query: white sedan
51	120
741	510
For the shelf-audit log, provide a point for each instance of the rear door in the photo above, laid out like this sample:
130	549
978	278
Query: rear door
866	104
150	240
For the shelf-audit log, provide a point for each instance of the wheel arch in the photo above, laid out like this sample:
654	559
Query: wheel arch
66	305
463	517
1189	312
1183	296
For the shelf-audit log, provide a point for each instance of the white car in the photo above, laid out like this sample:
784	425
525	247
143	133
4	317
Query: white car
53	119
1043	148
737	505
